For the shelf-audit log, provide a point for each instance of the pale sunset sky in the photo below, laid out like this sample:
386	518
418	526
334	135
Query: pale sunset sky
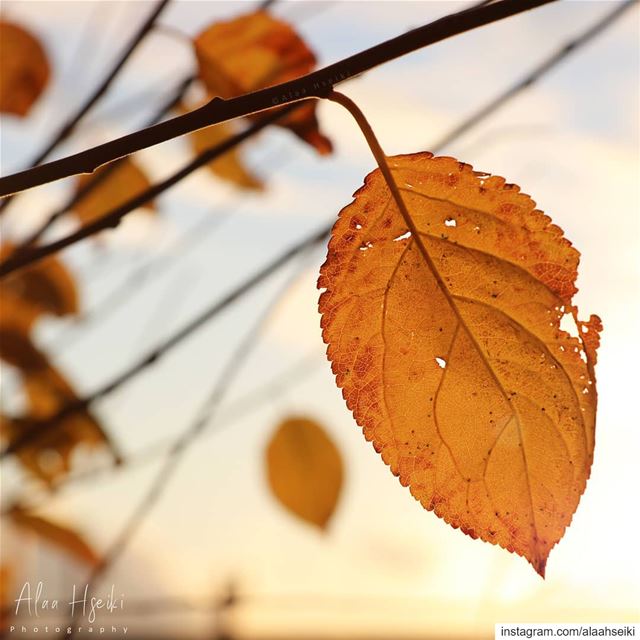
385	567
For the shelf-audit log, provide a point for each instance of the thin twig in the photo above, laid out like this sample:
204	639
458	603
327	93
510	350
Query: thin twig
155	266
316	84
536	73
69	126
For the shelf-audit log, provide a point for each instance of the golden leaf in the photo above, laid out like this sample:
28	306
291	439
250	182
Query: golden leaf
255	51
24	69
448	349
304	469
119	185
46	287
6	595
48	453
229	165
56	534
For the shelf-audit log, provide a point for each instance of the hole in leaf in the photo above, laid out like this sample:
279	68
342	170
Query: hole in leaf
568	324
50	461
403	236
450	222
442	363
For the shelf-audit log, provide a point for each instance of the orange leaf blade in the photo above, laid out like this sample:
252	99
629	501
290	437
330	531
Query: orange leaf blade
118	185
255	51
62	537
449	352
304	469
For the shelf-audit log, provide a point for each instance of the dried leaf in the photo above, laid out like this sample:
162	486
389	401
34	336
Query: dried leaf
118	184
255	51
24	69
304	469
6	595
46	287
48	455
449	351
56	534
228	166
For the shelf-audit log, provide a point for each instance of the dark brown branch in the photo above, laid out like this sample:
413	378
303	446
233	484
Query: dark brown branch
69	126
316	84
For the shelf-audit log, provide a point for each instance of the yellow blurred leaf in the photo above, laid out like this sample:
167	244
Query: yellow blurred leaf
118	185
46	287
6	595
48	454
228	166
444	336
304	469
56	534
24	69
255	51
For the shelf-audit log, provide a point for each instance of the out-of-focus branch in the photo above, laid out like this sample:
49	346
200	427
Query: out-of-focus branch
246	404
536	73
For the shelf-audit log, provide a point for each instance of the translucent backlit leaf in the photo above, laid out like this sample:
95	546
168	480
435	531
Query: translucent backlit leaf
49	452
46	287
228	166
56	534
119	183
304	469
255	51
448	349
24	69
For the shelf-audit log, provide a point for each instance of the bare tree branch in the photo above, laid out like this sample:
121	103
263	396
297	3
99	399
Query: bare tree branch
536	73
98	179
